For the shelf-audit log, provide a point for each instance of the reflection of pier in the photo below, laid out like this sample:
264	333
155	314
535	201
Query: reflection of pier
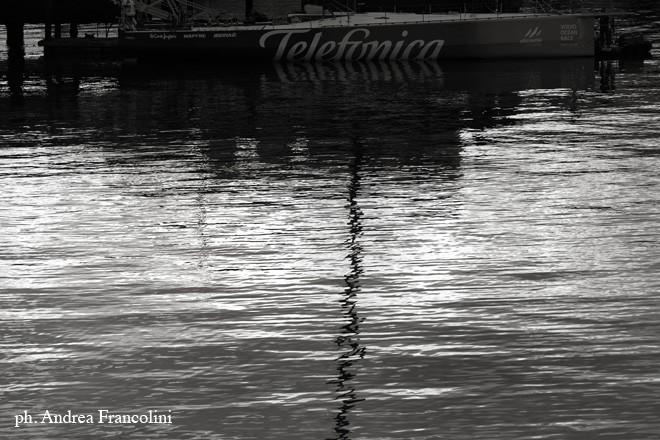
348	341
15	14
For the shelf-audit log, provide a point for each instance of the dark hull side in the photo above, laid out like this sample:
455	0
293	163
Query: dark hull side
521	37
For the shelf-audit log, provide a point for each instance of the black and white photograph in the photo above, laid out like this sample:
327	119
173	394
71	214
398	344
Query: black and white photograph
330	219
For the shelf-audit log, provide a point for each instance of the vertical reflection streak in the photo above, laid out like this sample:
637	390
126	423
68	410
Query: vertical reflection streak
348	341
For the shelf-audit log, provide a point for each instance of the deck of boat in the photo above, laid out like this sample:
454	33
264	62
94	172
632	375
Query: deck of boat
380	18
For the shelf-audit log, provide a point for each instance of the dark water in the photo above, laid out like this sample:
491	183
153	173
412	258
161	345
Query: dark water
364	251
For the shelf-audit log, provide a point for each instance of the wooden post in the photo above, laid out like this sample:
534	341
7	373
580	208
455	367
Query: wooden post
15	38
15	60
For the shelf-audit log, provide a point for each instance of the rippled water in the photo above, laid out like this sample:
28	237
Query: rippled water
363	251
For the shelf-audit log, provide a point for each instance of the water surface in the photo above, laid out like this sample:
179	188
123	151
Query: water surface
361	251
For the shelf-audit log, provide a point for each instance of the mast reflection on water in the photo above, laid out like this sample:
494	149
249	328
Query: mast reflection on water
348	341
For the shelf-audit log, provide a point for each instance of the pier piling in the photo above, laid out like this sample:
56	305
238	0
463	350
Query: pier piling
15	60
15	37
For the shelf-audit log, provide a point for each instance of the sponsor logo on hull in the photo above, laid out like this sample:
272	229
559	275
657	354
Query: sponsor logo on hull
162	36
532	36
354	45
569	34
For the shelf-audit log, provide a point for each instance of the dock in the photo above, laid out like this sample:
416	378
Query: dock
87	47
15	14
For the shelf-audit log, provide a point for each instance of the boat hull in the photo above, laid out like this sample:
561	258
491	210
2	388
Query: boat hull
512	37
